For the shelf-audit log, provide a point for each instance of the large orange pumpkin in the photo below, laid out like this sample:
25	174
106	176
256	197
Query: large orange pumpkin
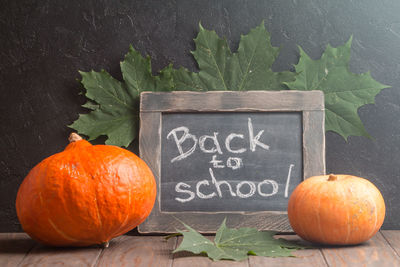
85	195
336	209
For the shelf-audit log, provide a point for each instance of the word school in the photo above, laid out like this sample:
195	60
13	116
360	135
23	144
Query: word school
184	188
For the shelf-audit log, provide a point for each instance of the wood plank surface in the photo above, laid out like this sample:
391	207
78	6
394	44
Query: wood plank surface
375	252
17	249
304	257
43	256
231	101
13	248
138	251
393	238
186	259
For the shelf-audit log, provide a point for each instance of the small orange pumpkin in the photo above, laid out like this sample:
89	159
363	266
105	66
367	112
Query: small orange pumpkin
336	209
85	195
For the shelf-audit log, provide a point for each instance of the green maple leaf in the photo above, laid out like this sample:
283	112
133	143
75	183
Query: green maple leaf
114	105
344	91
220	69
236	244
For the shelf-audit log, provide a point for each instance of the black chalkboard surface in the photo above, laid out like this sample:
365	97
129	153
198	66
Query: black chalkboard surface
230	161
237	155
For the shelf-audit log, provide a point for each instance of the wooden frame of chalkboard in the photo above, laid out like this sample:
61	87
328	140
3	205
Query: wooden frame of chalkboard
309	104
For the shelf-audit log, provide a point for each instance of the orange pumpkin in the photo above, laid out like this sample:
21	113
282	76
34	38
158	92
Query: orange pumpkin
336	209
85	195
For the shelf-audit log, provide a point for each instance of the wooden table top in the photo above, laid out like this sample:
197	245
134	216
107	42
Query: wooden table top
17	249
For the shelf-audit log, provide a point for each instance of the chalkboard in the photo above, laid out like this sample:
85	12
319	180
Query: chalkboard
237	155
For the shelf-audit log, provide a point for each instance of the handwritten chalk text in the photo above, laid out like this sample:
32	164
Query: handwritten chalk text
186	136
244	189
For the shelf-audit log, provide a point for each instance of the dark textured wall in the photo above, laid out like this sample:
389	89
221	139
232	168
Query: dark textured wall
44	43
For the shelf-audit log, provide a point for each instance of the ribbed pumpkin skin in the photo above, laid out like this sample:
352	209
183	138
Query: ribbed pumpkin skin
85	195
346	211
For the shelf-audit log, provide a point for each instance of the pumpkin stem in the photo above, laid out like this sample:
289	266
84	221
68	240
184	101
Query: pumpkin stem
332	177
73	137
105	244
